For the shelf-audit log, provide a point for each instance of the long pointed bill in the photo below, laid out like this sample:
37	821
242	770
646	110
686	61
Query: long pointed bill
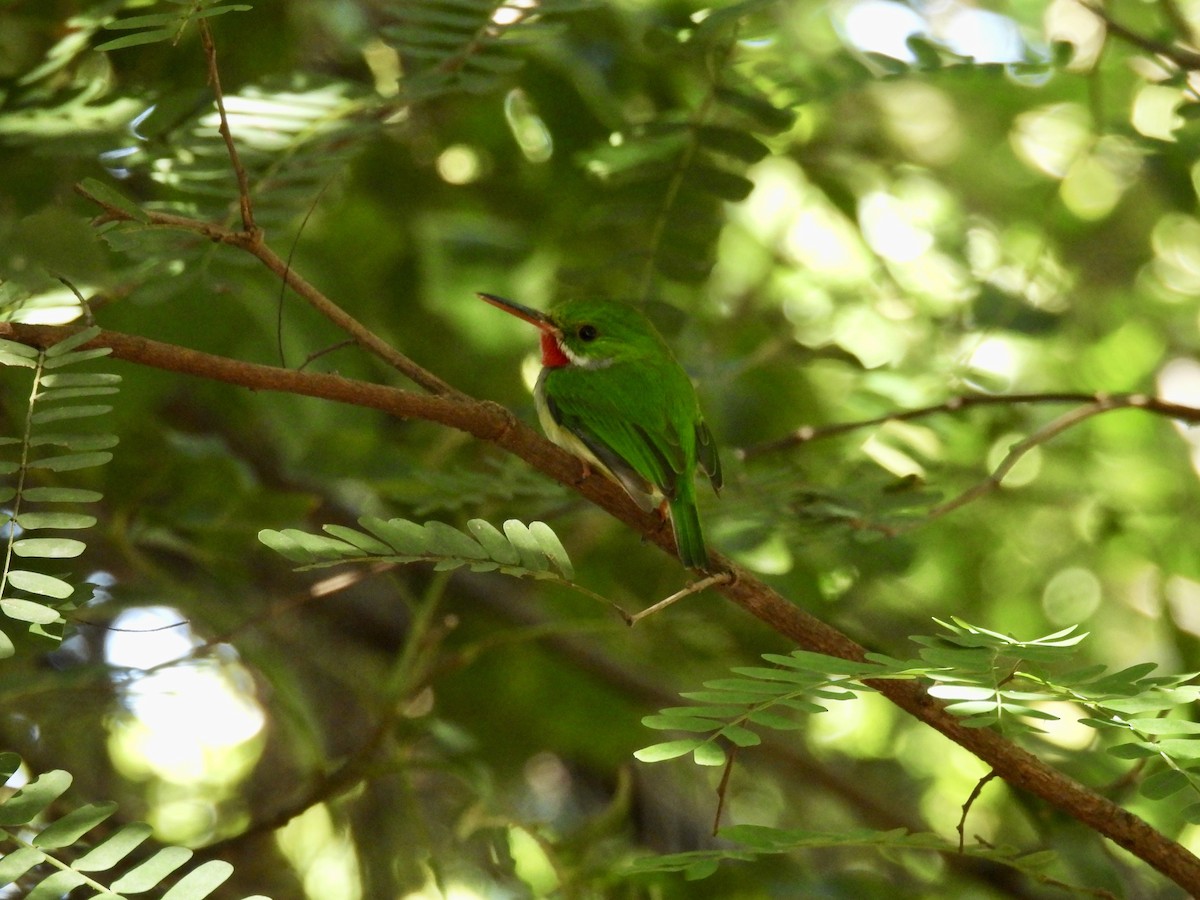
532	316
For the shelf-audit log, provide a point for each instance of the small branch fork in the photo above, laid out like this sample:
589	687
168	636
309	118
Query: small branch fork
489	422
1091	405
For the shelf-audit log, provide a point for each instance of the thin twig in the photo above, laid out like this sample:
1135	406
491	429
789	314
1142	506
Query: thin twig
694	588
808	433
283	284
1182	57
966	808
316	354
259	249
723	788
1175	16
1018	450
214	80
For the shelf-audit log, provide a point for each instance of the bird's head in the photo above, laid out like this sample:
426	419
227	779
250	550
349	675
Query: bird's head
588	333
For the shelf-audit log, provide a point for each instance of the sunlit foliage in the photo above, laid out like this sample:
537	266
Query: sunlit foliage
834	211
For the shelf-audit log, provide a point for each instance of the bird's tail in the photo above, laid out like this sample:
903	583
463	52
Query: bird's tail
689	539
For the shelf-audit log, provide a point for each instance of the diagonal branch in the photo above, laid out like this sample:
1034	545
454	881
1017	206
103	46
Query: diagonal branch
1186	59
253	244
1018	451
492	423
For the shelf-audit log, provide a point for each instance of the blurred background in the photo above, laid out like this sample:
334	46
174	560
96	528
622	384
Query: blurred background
833	210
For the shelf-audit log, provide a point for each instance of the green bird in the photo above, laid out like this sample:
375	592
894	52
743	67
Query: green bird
611	392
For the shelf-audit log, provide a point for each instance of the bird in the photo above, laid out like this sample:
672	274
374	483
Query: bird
612	393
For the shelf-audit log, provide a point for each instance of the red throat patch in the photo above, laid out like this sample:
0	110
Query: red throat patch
552	354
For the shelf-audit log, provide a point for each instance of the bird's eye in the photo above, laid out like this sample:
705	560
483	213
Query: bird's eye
587	332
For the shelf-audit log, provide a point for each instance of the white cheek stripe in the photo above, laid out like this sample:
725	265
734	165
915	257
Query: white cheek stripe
584	362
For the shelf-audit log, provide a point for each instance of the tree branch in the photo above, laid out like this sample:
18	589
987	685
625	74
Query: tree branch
1186	59
808	433
253	244
492	423
239	171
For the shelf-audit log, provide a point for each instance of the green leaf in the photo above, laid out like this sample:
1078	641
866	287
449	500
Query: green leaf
36	583
77	442
106	855
110	196
136	40
364	542
709	753
732	142
526	545
700	869
56	494
132	22
718	713
406	538
29	611
201	881
33	799
742	737
1180	748
80	379
761	689
1124	680
1133	750
71	462
10	359
973	707
79	356
15	864
552	547
150	873
74	825
821	663
445	540
1163	784
784	675
67	344
961	692
33	521
70	412
773	720
742	698
10	764
48	548
1191	813
768	117
24	351
719	183
302	547
680	723
57	394
667	750
56	886
1164	726
495	543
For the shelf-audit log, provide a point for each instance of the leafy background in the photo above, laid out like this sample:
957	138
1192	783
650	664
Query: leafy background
830	222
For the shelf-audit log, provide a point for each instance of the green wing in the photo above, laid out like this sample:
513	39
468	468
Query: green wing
626	421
